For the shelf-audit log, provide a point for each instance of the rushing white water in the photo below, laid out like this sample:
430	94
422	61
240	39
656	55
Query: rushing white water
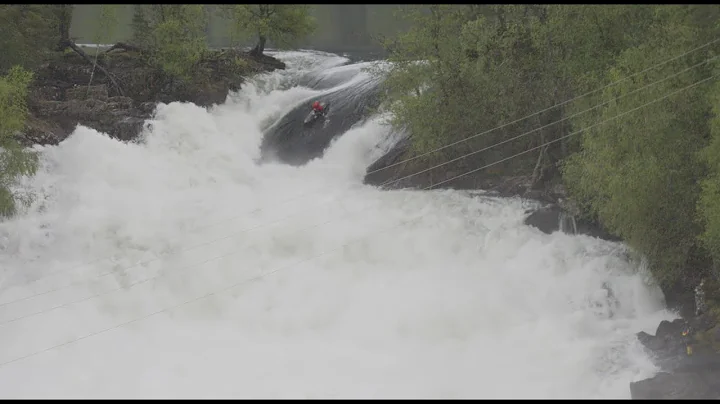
462	301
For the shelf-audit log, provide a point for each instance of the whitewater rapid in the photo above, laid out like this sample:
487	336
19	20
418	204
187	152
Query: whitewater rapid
328	287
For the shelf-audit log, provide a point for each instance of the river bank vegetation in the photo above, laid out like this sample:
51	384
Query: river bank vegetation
640	156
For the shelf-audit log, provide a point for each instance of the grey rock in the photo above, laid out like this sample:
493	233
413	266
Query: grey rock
684	385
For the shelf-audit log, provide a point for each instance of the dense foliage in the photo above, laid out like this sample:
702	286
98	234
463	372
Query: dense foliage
14	160
172	36
281	24
27	33
648	173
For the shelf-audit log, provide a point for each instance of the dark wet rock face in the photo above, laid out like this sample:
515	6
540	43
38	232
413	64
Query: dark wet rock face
668	341
290	141
686	373
553	217
119	117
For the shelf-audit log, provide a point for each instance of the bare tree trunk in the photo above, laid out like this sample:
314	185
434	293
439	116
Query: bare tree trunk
110	76
64	19
260	47
92	73
64	16
537	172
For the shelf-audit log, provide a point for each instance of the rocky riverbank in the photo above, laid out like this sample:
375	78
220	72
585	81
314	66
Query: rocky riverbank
687	351
63	94
682	376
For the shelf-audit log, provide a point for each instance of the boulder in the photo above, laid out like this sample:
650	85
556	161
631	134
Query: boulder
553	217
685	385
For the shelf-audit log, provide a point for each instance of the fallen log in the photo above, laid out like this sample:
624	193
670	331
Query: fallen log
124	46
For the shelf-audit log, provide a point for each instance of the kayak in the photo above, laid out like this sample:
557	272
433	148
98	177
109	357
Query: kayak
314	116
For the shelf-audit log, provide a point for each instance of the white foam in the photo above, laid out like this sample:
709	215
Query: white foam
464	301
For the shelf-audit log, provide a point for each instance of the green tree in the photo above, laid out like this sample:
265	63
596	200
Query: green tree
27	33
461	70
15	161
427	70
709	203
281	24
180	41
639	174
172	36
485	66
141	26
563	52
